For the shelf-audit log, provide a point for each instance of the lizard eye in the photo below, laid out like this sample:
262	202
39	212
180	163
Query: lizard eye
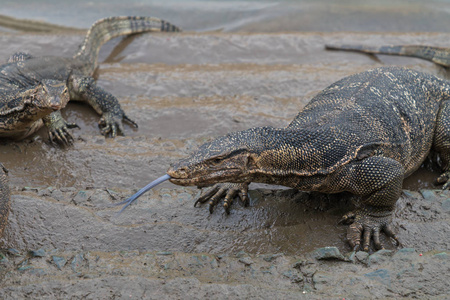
215	160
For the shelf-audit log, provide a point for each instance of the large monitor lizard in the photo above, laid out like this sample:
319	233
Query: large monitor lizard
34	89
363	134
438	55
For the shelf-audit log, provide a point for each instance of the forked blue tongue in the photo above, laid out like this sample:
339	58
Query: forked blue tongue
142	191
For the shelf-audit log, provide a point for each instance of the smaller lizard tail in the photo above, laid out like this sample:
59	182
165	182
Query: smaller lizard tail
440	56
108	28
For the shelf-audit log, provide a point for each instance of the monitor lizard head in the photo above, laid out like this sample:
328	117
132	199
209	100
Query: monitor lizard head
235	157
34	103
50	95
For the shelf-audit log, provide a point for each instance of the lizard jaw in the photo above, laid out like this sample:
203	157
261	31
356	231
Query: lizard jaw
178	177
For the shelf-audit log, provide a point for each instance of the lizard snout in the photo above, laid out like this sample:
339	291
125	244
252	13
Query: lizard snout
178	173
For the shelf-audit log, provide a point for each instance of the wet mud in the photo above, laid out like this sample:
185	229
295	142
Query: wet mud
183	90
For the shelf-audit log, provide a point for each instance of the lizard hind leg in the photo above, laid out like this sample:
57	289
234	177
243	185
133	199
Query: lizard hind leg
85	89
379	181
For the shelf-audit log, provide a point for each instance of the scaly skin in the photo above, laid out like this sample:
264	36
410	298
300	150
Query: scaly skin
363	134
5	202
24	75
440	56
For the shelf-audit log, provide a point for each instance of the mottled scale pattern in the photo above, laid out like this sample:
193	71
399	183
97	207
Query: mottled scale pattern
108	28
438	55
387	110
5	201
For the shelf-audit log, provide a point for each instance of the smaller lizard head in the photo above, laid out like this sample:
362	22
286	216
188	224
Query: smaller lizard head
51	94
230	158
43	98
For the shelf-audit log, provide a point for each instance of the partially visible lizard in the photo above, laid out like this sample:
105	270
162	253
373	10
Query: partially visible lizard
363	134
5	201
438	55
34	89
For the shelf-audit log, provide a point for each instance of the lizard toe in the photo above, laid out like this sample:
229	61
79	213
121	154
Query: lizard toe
226	191
366	228
111	124
444	179
60	136
354	235
229	198
387	229
215	199
206	196
126	118
347	218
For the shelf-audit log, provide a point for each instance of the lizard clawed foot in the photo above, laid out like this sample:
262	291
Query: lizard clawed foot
365	227
58	132
444	179
228	191
111	123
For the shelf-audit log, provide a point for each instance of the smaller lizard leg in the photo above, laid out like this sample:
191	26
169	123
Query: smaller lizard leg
226	191
58	128
441	143
104	103
379	181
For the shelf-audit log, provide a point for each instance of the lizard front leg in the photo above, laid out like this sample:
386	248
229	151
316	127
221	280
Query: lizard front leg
58	128
379	181
227	191
104	103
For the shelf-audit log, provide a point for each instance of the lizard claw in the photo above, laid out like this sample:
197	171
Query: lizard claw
126	118
347	219
111	123
227	191
444	179
58	132
364	228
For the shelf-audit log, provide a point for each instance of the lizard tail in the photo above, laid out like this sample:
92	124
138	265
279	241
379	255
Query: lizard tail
440	56
108	28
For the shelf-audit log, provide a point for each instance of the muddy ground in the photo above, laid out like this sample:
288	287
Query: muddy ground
184	89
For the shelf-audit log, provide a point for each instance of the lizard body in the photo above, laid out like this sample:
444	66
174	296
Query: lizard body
363	134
